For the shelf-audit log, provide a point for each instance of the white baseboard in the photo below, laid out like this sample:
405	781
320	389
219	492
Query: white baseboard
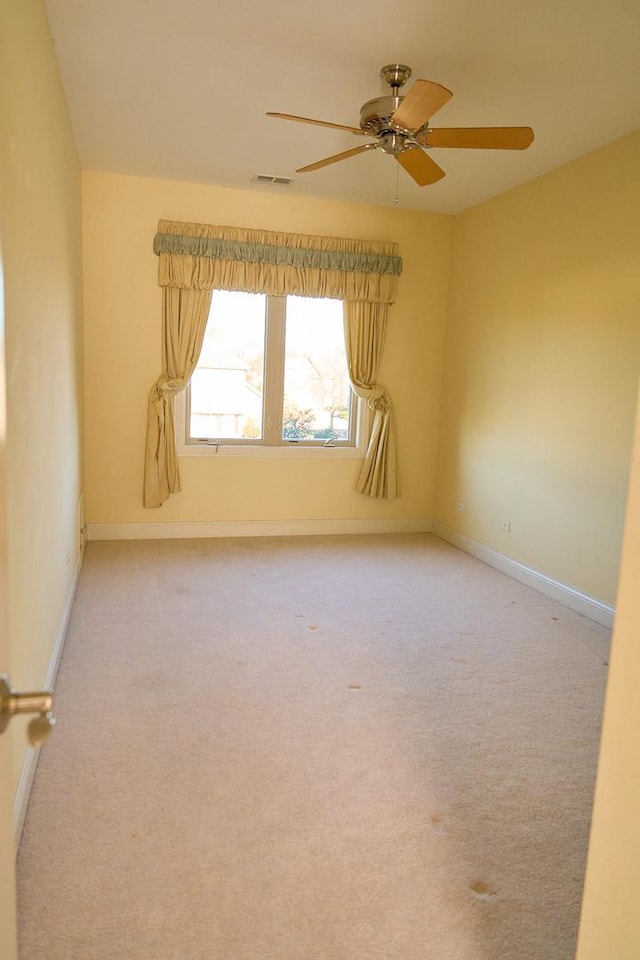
182	530
25	782
580	602
187	530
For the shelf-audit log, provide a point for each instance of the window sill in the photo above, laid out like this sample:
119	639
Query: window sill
259	452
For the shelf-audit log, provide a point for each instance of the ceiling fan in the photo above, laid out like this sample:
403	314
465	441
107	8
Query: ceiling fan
400	125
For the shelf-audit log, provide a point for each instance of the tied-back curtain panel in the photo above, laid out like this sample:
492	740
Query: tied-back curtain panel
184	320
365	327
195	259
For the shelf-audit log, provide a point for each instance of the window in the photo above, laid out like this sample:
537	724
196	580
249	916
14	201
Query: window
272	373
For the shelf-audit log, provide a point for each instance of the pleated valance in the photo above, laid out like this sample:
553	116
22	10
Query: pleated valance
196	256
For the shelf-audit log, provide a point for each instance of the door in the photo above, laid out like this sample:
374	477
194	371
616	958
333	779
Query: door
610	925
8	950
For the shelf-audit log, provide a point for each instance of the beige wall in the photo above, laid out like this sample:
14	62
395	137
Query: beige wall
122	335
541	372
42	264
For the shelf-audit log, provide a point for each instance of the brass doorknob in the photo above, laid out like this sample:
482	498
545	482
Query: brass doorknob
40	702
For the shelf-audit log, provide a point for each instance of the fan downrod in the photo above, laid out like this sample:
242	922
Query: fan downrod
395	75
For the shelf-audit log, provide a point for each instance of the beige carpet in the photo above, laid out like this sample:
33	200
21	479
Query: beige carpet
333	748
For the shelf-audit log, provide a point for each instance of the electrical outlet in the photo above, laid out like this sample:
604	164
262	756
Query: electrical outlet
80	527
506	526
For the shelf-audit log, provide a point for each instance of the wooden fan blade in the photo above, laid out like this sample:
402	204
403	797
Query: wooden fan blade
421	167
423	100
319	123
479	138
337	156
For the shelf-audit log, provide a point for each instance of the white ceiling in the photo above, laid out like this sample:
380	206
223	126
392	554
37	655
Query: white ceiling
178	89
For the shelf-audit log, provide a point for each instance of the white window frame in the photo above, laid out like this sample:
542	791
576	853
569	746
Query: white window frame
272	444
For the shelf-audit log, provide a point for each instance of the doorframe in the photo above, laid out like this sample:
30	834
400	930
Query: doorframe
8	848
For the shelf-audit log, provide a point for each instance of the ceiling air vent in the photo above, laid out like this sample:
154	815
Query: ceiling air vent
280	181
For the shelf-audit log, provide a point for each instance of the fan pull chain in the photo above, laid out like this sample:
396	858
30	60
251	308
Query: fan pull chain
396	199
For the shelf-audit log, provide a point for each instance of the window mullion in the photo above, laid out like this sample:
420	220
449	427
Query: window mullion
274	369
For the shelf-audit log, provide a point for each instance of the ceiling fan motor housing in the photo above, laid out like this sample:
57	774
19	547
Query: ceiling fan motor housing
375	115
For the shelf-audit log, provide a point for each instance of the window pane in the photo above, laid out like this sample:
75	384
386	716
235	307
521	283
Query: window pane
317	392
227	384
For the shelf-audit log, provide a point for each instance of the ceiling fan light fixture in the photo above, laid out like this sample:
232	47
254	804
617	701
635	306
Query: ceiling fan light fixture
393	143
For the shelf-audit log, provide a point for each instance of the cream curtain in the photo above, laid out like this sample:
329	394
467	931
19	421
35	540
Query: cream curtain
184	319
365	326
196	258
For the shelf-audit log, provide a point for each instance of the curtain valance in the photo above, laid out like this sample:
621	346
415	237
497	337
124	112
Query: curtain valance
195	256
